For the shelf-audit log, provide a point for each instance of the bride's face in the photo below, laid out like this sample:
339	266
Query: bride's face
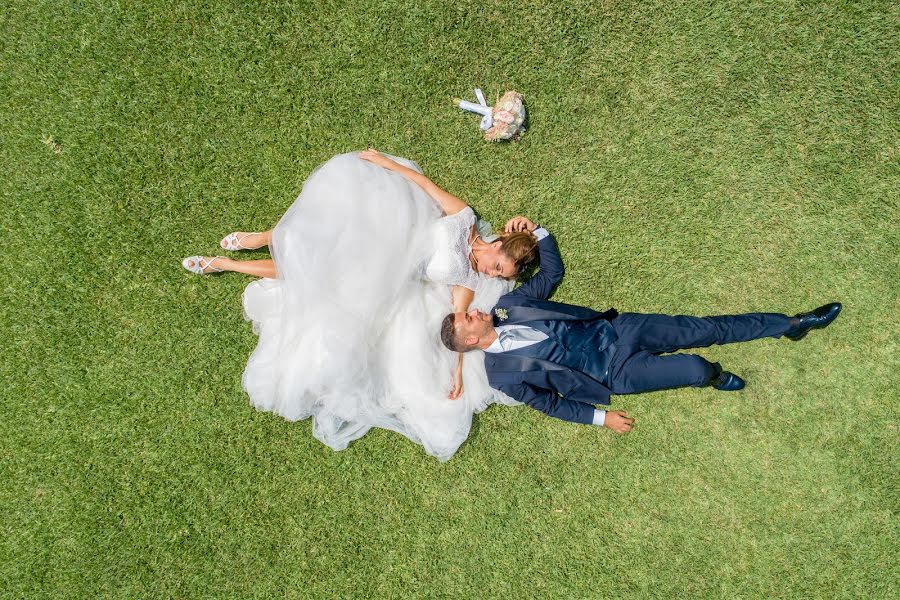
494	263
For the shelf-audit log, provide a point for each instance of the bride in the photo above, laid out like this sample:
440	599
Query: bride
365	264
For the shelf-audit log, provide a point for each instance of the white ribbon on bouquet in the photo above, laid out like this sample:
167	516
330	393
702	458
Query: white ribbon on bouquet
487	119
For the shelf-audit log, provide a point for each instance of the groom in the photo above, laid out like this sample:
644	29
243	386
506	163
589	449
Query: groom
562	359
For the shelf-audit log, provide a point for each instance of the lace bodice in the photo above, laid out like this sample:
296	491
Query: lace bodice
449	259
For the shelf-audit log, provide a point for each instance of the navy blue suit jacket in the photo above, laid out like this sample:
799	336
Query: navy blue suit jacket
553	389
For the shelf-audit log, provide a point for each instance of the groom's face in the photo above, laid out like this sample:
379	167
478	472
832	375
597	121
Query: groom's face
472	326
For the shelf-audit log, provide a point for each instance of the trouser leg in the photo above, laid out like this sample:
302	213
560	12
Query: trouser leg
648	372
666	333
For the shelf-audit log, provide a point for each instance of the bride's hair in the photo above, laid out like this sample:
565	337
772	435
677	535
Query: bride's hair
520	247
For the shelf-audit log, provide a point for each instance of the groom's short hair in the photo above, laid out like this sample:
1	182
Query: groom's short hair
448	334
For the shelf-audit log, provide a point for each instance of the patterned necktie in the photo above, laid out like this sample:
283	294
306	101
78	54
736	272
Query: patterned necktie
525	335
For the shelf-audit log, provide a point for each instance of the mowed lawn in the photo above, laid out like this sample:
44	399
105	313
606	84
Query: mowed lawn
691	157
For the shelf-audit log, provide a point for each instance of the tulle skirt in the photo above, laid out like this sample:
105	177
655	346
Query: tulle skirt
349	332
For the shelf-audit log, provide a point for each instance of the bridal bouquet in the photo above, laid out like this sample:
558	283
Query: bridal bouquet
504	121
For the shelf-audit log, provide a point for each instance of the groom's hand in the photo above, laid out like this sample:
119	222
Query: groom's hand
519	223
618	421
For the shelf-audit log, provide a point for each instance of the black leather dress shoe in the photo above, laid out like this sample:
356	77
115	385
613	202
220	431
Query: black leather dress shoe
727	382
816	319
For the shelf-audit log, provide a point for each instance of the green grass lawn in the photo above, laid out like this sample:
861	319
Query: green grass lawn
691	157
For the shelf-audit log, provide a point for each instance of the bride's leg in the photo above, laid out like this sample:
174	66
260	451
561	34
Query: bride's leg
258	240
257	268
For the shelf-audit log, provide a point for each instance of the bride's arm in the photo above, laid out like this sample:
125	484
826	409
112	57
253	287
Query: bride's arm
457	389
449	203
462	298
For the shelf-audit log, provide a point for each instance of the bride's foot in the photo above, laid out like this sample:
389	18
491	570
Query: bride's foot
202	265
241	240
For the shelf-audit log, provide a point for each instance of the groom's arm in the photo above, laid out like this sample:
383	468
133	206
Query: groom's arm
551	271
553	405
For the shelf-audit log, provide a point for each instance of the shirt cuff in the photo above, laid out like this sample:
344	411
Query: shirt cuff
540	233
599	417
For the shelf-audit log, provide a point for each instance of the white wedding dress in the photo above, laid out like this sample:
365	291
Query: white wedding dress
349	332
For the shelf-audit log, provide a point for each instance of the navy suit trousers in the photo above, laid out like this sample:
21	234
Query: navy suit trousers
637	365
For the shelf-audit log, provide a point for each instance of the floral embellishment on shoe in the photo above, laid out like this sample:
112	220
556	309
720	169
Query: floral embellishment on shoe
501	314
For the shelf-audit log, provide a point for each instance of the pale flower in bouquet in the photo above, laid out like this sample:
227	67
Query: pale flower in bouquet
509	115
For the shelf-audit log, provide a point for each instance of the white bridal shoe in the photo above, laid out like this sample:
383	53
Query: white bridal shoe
201	265
232	241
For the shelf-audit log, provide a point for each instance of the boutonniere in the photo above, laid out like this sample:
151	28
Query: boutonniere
502	314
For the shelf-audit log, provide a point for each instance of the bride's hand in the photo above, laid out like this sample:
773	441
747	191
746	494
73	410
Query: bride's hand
457	389
374	156
519	223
